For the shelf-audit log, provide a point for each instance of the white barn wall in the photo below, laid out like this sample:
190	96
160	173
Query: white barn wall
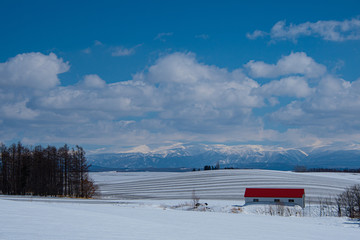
285	201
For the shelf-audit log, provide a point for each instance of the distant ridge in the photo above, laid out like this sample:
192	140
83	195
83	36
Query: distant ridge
241	156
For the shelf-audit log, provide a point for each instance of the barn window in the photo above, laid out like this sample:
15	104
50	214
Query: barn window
276	200
255	200
291	200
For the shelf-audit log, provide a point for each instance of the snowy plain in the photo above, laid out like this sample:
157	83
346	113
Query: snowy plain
220	184
156	206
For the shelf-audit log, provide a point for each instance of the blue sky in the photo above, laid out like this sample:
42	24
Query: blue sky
115	75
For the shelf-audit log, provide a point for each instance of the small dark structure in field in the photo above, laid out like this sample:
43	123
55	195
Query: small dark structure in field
284	196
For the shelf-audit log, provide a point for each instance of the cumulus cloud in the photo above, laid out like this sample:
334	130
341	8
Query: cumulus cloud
290	86
18	110
94	97
24	77
93	81
295	63
332	109
179	99
336	31
194	91
181	68
32	70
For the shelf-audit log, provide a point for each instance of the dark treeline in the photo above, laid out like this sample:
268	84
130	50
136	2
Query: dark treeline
44	171
209	167
345	170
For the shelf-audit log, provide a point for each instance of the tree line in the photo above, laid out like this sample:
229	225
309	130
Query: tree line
208	167
344	170
43	171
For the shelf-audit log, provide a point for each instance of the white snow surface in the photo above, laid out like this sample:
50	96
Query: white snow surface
219	184
53	220
119	215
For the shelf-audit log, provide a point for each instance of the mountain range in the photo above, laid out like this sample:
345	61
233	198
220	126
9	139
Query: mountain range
239	156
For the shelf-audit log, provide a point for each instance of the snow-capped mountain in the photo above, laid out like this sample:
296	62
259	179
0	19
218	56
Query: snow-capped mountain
240	156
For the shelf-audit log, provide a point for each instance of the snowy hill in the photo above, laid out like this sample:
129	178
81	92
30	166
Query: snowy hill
241	156
82	220
219	184
148	205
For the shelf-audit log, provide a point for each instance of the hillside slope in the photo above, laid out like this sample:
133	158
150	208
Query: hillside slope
219	184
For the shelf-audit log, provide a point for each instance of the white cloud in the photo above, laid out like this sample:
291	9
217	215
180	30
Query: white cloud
337	31
176	99
290	86
256	34
107	100
18	110
162	36
182	69
93	81
295	63
193	91
122	51
179	99
32	70
333	108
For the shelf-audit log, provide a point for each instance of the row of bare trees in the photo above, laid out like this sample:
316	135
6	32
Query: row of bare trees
348	202
44	171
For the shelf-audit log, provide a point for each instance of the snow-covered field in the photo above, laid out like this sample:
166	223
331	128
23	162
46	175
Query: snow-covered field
220	184
156	206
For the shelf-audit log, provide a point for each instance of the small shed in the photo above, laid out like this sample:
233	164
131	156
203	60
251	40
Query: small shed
285	196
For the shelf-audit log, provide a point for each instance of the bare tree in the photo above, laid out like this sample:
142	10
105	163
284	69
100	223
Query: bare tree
44	171
195	199
280	209
339	205
348	202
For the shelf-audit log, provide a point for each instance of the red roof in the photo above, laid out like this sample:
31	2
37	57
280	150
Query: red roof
274	192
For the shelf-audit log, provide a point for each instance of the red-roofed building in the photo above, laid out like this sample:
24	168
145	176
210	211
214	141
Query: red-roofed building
286	196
